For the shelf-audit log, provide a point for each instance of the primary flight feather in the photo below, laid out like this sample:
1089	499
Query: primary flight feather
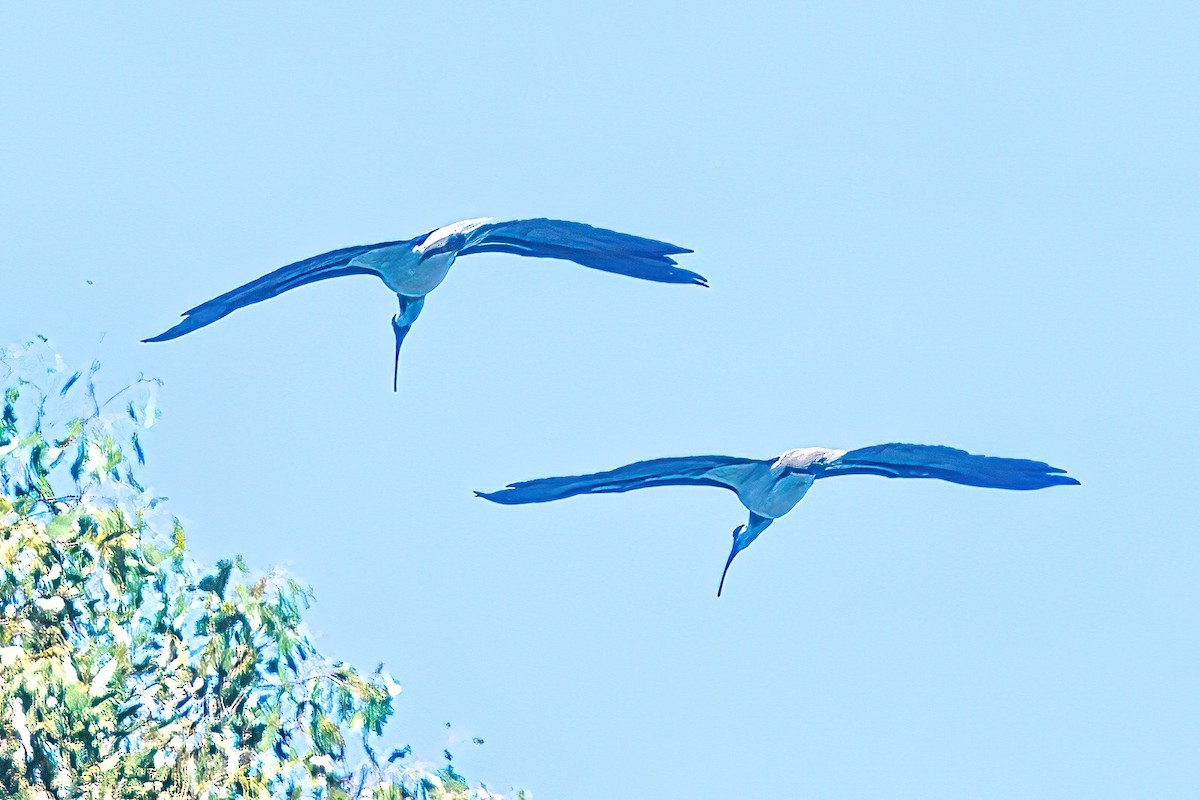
412	268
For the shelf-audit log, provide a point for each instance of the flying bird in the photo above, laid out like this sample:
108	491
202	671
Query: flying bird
414	267
771	488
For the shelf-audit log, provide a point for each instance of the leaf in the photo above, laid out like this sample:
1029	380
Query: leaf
216	583
100	683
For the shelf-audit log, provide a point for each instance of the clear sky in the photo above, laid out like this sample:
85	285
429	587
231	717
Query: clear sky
971	224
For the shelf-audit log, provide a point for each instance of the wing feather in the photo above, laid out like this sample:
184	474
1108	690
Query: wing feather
321	267
598	248
686	471
948	464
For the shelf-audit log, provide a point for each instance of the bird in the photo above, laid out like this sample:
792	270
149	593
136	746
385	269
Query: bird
413	268
770	488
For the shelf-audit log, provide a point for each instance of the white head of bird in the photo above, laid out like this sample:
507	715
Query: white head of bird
802	457
444	234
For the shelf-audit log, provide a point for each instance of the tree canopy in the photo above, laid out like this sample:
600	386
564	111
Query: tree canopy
127	670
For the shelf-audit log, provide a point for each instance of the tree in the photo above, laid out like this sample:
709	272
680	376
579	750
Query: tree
126	669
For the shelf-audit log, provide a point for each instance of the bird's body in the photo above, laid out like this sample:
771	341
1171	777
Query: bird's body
771	488
402	269
413	268
416	267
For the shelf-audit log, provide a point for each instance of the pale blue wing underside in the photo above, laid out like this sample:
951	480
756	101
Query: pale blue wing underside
686	471
597	248
948	464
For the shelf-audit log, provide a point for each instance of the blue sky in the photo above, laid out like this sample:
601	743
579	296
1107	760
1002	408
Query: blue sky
964	224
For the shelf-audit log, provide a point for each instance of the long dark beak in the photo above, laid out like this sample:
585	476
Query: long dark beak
410	309
400	331
733	551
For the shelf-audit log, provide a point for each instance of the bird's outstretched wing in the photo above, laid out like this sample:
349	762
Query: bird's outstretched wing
686	471
947	464
327	265
597	248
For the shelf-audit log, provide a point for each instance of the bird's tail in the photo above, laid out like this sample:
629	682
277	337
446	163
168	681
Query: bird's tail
327	265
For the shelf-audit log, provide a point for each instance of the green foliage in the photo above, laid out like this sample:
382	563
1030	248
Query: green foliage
126	670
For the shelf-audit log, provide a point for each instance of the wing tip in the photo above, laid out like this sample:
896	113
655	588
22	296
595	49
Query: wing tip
686	276
1041	479
166	335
